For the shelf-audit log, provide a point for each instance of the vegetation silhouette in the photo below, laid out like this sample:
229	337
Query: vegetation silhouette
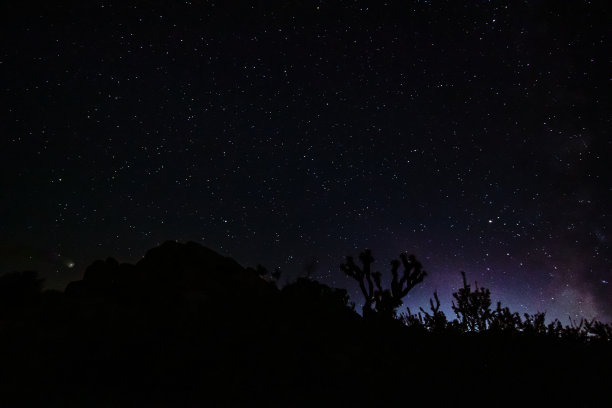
384	301
188	327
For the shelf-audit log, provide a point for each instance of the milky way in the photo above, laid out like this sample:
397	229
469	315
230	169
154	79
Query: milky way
476	137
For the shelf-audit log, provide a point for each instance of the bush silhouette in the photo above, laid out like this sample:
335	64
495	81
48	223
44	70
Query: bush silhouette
504	321
473	308
436	321
598	330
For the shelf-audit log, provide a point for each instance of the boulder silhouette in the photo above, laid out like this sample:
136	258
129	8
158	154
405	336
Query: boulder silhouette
172	269
191	267
99	279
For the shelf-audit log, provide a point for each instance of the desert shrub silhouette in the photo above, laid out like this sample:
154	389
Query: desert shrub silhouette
598	331
473	307
434	322
503	320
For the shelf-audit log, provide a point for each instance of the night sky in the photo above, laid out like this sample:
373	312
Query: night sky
475	135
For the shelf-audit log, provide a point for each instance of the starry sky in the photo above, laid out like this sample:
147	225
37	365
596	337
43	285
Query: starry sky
475	135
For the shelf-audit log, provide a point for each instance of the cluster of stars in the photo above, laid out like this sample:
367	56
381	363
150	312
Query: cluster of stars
473	136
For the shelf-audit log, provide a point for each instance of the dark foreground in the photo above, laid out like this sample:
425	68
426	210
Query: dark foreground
186	327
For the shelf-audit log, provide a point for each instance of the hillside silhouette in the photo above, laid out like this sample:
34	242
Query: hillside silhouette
188	327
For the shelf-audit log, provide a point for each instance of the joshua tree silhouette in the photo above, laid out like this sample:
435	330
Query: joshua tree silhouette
384	301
